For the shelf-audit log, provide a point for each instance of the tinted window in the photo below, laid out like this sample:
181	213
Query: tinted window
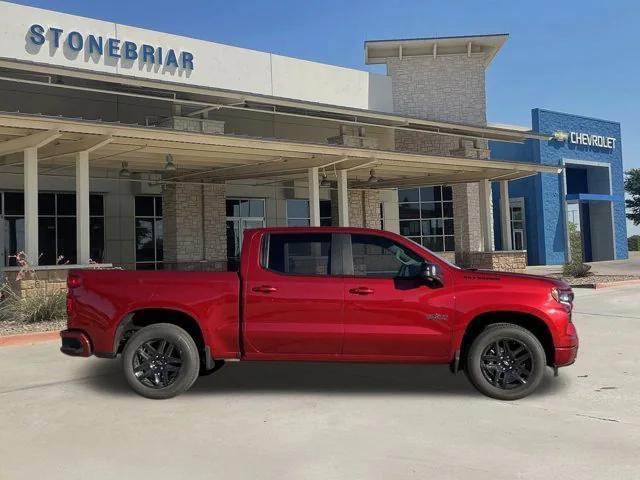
300	254
375	256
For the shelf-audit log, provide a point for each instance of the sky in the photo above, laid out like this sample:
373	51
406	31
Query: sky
578	57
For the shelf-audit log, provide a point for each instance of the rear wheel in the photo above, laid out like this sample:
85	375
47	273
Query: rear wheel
506	362
161	361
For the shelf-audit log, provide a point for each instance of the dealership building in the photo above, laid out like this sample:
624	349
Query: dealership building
147	150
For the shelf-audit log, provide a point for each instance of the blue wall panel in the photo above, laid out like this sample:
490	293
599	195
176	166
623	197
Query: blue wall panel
544	202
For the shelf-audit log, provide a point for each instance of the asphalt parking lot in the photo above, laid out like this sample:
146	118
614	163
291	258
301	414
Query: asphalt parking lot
66	418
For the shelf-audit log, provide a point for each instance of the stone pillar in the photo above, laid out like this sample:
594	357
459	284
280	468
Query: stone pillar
82	208
215	223
364	208
182	207
448	88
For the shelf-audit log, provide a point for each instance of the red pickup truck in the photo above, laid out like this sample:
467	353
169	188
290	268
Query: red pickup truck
323	294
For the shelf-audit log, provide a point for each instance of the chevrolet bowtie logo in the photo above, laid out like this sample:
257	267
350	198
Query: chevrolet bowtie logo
437	316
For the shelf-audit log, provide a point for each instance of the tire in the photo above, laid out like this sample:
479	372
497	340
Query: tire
161	361
498	368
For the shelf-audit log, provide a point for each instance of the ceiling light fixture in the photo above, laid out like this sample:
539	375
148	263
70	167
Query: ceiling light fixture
170	166
325	181
124	171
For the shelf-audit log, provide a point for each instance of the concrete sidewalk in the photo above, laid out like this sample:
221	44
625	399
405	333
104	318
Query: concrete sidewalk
72	418
630	266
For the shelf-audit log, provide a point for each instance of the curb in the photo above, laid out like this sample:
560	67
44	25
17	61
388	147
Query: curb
29	338
595	286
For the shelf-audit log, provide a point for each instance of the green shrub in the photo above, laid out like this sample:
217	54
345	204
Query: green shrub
38	306
634	243
576	270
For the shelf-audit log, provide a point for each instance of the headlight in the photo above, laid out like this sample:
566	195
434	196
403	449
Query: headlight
562	296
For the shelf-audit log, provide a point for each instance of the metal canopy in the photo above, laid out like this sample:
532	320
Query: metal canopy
197	100
222	157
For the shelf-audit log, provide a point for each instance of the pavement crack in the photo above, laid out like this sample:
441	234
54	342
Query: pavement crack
607	314
604	419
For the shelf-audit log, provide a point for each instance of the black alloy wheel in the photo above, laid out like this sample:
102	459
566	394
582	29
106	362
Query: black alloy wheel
505	361
157	363
161	361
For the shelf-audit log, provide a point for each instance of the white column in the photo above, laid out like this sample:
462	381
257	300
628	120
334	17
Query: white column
314	197
486	215
31	248
82	207
505	215
343	199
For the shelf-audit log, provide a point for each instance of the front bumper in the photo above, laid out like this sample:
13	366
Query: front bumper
566	356
75	343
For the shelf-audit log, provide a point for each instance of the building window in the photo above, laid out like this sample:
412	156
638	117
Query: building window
242	213
56	227
298	214
149	232
426	217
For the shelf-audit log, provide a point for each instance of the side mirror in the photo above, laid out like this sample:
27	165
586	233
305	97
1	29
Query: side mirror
430	273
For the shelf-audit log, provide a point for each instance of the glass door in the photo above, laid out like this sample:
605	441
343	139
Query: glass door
518	229
242	214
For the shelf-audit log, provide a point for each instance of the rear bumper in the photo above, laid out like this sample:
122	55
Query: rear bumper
75	343
566	355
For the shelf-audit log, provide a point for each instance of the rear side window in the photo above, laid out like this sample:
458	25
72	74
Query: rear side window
375	256
299	253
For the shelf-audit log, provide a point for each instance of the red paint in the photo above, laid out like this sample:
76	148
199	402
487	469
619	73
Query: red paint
264	315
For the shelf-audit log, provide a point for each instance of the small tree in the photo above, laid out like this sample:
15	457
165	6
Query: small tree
632	186
634	243
575	267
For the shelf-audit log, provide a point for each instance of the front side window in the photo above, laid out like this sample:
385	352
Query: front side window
299	254
375	256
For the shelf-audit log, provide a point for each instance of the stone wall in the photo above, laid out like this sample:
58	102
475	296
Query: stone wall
364	208
504	261
194	221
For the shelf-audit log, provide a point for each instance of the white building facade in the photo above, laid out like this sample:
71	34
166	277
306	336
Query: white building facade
140	149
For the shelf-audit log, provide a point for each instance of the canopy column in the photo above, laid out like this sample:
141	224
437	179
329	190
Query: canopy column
343	199
31	248
486	215
314	197
505	215
82	208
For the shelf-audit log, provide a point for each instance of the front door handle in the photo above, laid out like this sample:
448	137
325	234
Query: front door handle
264	289
361	291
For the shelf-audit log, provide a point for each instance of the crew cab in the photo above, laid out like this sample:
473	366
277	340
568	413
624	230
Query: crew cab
323	294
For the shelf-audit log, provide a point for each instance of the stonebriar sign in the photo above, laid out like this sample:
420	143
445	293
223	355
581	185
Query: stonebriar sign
114	48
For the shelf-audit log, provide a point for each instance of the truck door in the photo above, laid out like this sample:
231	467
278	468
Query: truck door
292	302
389	311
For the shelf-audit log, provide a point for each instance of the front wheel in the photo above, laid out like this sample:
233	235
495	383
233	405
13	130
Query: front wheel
506	362
161	361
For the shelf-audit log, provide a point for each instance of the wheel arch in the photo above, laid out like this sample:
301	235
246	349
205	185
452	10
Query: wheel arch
534	324
143	317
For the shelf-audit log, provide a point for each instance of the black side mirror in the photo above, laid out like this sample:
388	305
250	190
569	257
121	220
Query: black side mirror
430	273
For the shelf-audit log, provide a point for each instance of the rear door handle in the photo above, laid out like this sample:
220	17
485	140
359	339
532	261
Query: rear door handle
361	291
264	289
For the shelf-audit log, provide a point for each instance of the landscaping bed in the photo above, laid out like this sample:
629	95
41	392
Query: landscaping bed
17	328
593	281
